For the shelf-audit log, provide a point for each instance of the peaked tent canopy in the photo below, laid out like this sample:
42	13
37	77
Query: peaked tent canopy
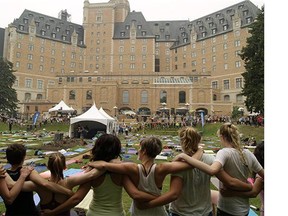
102	111
92	121
61	107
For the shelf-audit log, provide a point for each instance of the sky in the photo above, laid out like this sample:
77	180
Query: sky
153	10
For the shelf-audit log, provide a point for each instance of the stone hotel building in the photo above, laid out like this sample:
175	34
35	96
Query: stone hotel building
121	61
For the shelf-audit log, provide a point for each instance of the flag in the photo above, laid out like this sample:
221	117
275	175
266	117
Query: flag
35	117
202	118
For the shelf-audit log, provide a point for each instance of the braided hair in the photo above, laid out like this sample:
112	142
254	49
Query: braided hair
230	133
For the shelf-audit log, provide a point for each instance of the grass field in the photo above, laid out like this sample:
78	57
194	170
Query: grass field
208	134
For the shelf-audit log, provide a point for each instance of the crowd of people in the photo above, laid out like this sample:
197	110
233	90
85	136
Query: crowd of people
106	175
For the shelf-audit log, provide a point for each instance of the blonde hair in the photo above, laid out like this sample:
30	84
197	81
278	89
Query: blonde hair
56	165
189	139
230	133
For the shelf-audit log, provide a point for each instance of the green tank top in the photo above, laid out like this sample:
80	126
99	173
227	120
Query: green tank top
107	199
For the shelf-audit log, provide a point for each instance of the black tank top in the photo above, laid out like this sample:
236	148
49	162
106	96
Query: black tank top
24	204
53	204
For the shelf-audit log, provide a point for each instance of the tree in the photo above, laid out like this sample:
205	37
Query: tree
8	95
253	56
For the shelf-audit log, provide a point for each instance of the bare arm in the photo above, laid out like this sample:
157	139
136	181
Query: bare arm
71	202
10	196
134	192
233	183
56	188
125	168
257	187
176	185
209	169
72	181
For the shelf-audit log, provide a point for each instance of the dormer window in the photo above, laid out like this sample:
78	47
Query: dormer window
21	27
127	27
122	34
225	27
201	28
25	20
204	34
64	37
143	33
47	26
67	32
167	37
53	35
139	26
221	21
249	19
42	32
245	13
211	24
57	29
214	31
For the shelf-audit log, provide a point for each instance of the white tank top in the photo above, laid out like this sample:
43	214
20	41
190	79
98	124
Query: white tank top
147	184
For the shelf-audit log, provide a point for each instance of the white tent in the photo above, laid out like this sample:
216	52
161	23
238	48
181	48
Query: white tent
61	107
93	121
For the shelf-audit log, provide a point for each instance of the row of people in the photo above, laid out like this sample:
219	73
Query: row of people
189	192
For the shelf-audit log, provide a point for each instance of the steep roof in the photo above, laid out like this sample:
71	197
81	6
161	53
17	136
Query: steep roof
53	28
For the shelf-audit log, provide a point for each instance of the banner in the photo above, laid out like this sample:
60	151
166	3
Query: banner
202	118
35	117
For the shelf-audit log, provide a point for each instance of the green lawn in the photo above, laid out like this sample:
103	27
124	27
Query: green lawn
208	133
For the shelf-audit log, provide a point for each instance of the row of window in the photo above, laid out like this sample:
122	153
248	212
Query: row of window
144	97
52	69
226	84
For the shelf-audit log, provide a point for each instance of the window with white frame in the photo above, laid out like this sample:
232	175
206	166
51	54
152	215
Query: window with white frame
239	83
40	84
125	97
28	83
237	43
238	64
226	84
144	97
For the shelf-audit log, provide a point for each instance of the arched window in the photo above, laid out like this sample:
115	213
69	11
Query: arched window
125	97
144	97
89	95
72	95
163	96
182	97
39	97
226	98
239	98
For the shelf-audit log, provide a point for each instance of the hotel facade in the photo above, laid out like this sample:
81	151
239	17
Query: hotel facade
121	61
